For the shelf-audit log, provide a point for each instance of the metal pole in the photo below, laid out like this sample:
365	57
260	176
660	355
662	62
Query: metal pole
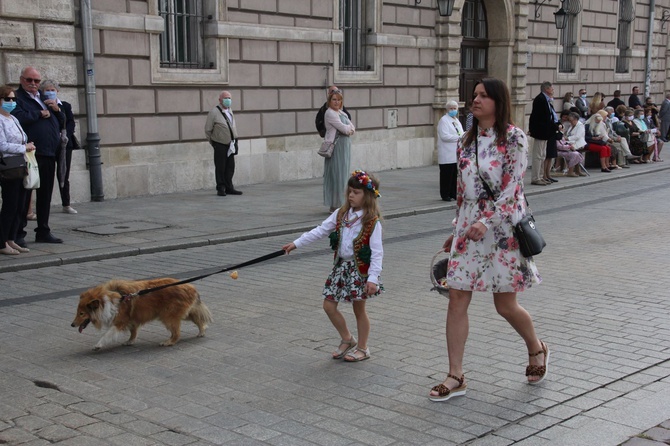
92	137
650	35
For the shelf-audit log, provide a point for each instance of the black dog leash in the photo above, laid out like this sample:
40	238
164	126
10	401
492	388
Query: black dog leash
193	279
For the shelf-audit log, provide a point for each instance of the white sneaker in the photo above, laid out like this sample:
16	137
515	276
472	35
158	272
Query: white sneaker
69	210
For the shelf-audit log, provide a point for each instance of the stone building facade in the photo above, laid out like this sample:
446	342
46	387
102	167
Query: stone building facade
396	61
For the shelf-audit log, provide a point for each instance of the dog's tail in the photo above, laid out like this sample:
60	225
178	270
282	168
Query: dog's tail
200	315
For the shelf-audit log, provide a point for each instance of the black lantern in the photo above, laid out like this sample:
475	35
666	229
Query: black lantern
446	7
560	17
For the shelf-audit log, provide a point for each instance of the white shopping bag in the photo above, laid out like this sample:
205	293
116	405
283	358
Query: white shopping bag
32	180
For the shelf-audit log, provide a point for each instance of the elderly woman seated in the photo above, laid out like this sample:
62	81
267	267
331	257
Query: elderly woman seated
596	137
572	143
567	150
642	140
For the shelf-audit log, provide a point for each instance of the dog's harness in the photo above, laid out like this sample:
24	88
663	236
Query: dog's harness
127	297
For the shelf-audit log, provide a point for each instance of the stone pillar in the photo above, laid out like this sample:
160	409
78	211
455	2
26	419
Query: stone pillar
519	64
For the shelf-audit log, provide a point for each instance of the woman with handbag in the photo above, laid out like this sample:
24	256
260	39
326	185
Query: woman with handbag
642	138
484	253
13	143
336	168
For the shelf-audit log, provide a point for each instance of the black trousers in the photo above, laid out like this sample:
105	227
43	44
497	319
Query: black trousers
13	207
47	166
448	175
224	167
65	190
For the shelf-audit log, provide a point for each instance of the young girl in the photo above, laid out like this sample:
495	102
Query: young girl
355	234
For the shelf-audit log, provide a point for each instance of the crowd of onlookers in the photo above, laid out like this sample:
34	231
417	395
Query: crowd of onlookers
619	133
34	119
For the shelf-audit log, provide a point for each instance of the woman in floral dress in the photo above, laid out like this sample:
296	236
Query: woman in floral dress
484	255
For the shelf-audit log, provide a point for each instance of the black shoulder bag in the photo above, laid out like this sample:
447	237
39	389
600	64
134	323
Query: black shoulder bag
530	240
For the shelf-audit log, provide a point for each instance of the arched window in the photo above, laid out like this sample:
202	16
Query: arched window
474	47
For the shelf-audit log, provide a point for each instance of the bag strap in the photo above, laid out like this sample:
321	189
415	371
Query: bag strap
488	189
232	135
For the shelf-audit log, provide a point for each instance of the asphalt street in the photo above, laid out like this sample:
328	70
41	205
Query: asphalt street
262	375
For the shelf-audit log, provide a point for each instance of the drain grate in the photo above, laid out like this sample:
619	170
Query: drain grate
121	228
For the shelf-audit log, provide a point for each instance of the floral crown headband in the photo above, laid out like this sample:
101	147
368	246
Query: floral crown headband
363	178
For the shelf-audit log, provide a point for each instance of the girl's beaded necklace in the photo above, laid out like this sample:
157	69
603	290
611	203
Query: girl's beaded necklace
350	222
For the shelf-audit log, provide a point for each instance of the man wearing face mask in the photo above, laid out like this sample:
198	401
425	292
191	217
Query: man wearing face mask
222	135
582	104
39	118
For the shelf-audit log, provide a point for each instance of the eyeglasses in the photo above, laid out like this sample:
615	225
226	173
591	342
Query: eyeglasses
335	92
30	80
9	99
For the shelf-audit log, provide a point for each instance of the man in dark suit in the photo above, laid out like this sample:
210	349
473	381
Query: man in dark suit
319	122
614	103
582	104
634	100
38	117
543	127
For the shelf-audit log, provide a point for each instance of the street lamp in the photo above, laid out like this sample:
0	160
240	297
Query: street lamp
446	7
560	17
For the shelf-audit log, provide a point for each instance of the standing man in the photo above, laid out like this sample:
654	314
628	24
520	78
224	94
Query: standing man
39	118
543	127
320	115
582	104
614	103
222	135
664	117
634	100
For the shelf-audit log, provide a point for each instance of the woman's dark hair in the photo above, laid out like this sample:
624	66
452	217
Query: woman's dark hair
497	90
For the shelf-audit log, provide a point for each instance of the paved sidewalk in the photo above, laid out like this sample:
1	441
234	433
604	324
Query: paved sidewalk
127	227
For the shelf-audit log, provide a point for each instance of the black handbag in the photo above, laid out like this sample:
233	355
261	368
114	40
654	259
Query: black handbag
530	240
13	167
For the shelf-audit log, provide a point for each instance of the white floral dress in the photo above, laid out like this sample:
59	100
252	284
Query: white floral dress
493	263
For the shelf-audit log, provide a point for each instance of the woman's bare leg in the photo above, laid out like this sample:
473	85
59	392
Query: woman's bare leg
508	307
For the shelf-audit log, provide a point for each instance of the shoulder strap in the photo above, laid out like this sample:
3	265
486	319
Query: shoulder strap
232	135
486	185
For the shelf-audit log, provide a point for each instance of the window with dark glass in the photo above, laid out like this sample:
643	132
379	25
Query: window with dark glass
182	41
623	43
353	24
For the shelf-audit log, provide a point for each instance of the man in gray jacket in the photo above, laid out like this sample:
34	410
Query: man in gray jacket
664	116
222	135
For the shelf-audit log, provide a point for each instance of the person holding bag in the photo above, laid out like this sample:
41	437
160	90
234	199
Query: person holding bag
13	143
336	168
484	254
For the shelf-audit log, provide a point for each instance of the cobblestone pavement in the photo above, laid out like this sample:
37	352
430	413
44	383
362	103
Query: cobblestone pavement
262	373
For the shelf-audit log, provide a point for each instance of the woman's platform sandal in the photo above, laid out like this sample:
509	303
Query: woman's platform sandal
539	370
351	343
443	392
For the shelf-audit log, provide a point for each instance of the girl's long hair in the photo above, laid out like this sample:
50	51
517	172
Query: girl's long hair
370	206
497	90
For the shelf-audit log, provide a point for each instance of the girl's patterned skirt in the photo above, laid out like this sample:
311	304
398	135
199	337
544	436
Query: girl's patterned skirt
344	284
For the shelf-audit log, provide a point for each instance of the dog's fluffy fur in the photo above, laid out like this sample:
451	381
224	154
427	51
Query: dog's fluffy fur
102	307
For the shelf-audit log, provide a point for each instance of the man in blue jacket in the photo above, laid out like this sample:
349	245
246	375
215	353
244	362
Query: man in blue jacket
38	117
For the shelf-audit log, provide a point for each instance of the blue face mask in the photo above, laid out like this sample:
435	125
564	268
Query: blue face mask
453	113
8	106
227	102
50	95
583	96
611	115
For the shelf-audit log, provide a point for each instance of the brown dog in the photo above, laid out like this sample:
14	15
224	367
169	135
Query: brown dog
102	306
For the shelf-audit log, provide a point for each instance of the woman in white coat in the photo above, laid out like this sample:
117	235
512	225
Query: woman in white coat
449	131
